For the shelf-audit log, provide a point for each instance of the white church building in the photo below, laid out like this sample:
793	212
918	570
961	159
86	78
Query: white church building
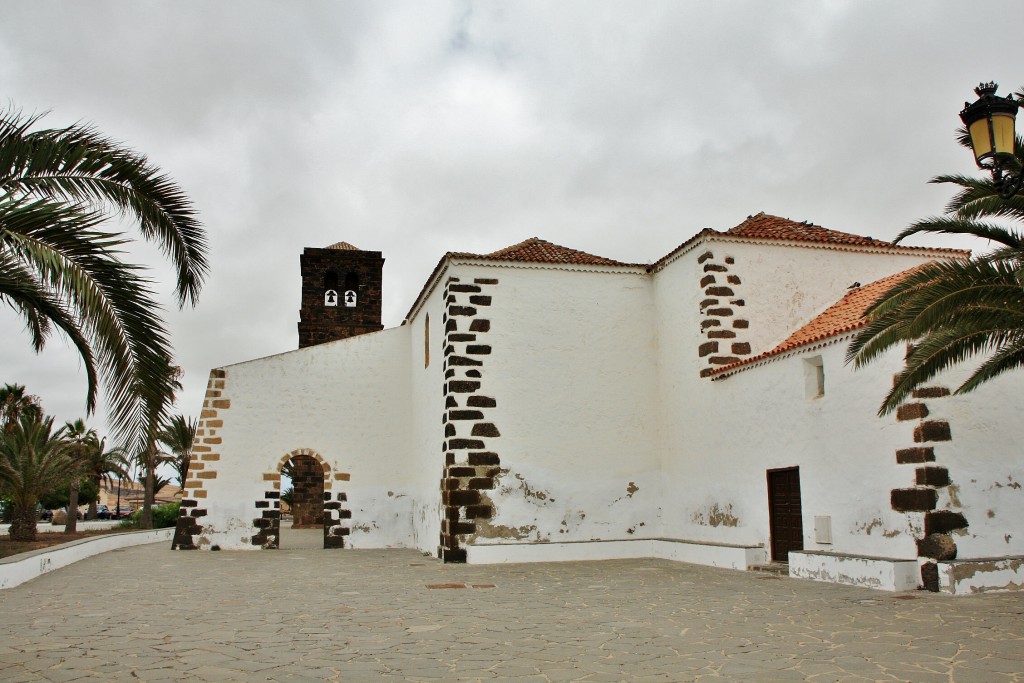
540	403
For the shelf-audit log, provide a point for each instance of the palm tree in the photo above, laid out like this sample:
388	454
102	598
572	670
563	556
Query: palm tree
149	457
33	459
950	312
79	436
15	403
178	435
58	269
101	463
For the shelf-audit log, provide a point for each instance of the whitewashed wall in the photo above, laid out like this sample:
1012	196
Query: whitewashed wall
846	456
783	285
764	419
426	459
349	402
719	438
572	372
985	462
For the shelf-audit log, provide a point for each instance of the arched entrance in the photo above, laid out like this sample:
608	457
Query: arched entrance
306	495
308	501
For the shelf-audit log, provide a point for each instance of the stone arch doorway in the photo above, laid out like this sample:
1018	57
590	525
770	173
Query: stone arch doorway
321	506
306	500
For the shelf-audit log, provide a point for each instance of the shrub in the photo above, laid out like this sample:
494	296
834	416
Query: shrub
164	516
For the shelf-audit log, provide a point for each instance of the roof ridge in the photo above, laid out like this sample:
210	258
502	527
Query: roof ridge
510	248
536	250
768	226
343	246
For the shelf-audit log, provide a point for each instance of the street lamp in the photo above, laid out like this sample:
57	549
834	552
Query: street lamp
990	122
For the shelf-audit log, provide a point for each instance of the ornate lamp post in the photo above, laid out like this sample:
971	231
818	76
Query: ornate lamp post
990	124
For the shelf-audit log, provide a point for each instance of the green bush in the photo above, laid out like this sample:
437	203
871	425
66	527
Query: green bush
164	516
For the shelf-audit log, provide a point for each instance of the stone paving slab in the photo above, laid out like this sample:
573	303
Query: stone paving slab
303	614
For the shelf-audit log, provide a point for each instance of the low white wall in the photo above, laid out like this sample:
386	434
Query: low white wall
867	572
16	570
708	554
966	577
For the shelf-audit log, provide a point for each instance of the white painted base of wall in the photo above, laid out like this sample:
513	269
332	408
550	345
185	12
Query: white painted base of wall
991	575
881	573
694	552
18	569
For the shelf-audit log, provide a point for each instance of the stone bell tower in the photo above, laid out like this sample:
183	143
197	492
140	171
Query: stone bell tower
341	293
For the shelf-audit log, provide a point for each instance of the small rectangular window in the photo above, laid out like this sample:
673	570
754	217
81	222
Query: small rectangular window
814	378
426	341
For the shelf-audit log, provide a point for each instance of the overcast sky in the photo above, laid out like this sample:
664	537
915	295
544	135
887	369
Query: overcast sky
416	128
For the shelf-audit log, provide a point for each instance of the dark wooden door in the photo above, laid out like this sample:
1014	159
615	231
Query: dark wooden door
787	528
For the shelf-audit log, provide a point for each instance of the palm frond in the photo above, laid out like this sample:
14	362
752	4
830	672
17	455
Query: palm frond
117	311
1010	357
957	226
78	165
41	309
948	312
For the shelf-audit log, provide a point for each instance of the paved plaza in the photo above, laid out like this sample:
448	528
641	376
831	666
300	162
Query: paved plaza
301	614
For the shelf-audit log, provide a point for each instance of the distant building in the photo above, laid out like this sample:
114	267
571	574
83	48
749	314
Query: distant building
542	403
132	492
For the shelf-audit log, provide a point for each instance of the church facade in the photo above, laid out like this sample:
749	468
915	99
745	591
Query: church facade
540	403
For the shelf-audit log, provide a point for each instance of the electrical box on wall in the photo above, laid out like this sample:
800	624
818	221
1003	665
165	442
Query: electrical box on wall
823	530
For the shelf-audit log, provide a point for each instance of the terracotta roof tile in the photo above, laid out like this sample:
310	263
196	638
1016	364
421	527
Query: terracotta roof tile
536	250
845	315
343	246
766	226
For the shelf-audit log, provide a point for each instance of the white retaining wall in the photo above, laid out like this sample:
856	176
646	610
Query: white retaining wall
18	569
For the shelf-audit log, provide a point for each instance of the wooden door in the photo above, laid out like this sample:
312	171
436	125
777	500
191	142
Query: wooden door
785	518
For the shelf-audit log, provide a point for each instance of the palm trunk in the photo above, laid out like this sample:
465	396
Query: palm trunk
91	513
23	523
71	523
146	520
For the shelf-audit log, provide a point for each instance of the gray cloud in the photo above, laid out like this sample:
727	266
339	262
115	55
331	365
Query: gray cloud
417	128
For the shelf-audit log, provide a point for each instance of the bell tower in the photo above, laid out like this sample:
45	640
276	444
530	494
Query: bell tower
341	293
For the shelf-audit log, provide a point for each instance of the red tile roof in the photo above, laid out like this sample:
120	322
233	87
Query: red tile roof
766	226
535	250
343	246
845	315
759	227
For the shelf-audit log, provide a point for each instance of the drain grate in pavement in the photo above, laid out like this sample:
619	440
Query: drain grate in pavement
904	597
